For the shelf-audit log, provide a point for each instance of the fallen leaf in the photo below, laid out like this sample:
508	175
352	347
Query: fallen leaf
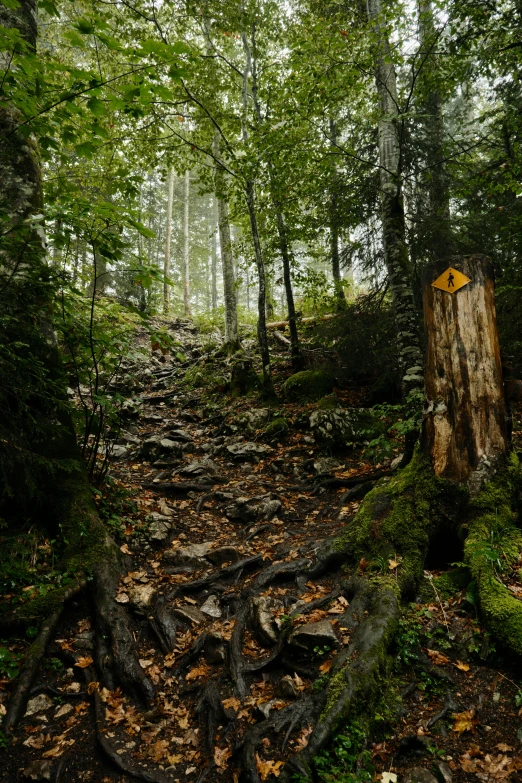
231	704
326	666
65	709
82	663
35	742
125	549
266	768
464	667
197	671
465	721
221	757
389	777
53	753
437	657
503	747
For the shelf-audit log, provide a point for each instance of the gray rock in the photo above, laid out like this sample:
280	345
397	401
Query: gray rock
265	626
201	467
182	435
141	596
326	465
128	439
287	688
189	614
223	554
419	775
193	555
215	651
38	770
118	452
251	421
211	607
160	526
320	634
39	704
156	446
338	427
246	509
247	452
445	772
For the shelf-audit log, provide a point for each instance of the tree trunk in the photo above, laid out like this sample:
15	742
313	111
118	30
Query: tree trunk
186	245
261	296
437	232
215	221
465	425
227	258
334	227
168	237
287	274
392	210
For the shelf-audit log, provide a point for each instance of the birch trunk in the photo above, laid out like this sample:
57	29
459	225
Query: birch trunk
227	257
215	221
258	251
168	237
334	227
186	244
392	210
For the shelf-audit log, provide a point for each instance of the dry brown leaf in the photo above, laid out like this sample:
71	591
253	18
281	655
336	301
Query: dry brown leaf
35	742
266	768
197	671
231	704
157	751
326	666
221	757
465	721
464	667
82	663
302	740
437	657
57	751
93	686
503	747
125	549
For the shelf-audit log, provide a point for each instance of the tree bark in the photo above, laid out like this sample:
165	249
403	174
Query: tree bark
465	424
334	227
215	221
392	210
168	236
227	258
186	244
437	231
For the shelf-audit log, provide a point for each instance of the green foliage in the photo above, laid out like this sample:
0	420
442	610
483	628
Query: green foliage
308	386
9	663
347	761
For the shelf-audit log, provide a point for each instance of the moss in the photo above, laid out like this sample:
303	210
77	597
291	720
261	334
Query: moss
447	584
396	521
308	386
492	547
277	429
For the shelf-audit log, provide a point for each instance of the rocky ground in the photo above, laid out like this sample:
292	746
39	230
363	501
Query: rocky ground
240	615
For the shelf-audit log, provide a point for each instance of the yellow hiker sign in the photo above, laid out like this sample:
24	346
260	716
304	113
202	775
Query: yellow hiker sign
451	280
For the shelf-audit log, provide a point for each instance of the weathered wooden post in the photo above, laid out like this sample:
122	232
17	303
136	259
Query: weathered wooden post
464	427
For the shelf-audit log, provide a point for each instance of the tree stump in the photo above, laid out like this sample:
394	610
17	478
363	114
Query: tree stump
465	425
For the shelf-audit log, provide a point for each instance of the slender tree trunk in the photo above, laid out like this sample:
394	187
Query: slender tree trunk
334	227
186	244
215	221
261	297
227	258
392	211
168	237
438	235
258	251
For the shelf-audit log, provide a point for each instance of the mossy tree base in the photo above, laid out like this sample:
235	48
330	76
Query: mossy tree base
388	541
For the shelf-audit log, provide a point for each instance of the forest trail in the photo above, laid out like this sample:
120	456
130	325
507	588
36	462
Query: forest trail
240	613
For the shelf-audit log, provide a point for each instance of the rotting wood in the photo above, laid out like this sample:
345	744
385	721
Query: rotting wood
465	423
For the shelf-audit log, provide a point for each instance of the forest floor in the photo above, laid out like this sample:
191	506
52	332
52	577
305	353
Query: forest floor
217	527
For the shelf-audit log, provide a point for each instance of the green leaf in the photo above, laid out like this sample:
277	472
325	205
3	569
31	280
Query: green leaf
96	106
84	27
86	150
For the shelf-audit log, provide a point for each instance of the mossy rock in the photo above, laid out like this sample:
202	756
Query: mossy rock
337	427
277	429
308	386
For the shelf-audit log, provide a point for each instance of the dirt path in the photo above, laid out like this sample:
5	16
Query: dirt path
239	621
